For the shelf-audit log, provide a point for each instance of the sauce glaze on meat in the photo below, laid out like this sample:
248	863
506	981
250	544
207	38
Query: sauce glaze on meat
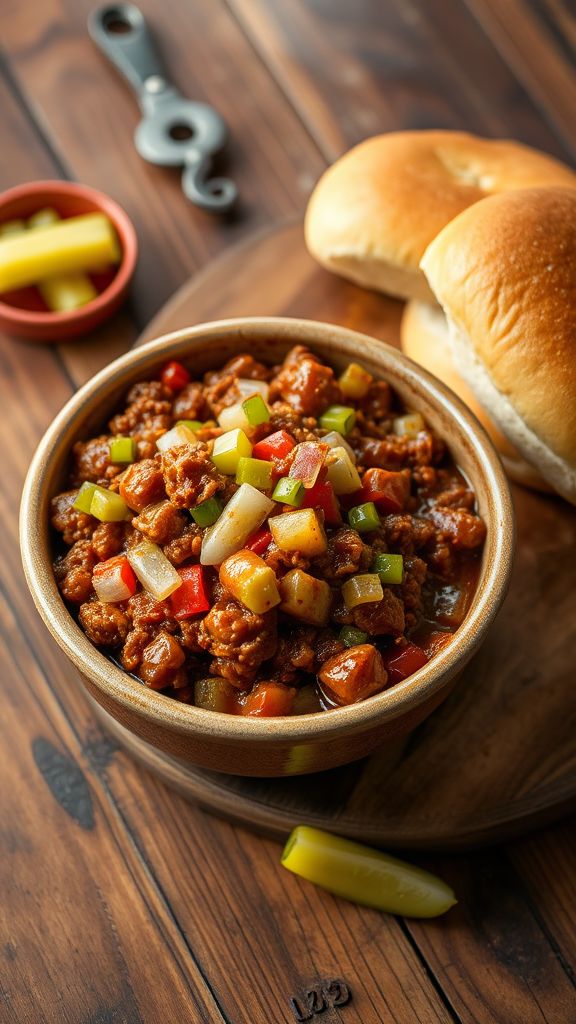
229	657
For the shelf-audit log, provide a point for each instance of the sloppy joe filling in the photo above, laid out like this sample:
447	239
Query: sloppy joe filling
267	541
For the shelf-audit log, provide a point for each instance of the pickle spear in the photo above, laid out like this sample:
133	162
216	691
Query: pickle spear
364	875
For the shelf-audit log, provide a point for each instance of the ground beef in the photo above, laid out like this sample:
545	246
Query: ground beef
233	633
190	404
221	387
161	522
296	652
381	618
443	487
283	417
459	527
147	617
143	484
393	452
404	534
160	662
221	394
189	633
73	525
459	497
243	366
147	417
410	590
376	404
106	625
74	572
186	546
108	540
305	384
282	561
346	554
91	461
327	646
190	475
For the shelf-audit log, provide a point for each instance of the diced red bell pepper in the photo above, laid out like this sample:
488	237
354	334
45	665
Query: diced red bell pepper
175	376
268	700
275	446
190	598
401	662
259	541
114	579
389	491
322	497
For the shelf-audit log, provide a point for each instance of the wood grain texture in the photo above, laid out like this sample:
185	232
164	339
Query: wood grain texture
159	911
354	70
538	42
272	160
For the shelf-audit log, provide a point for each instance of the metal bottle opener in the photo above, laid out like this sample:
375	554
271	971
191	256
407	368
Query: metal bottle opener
174	131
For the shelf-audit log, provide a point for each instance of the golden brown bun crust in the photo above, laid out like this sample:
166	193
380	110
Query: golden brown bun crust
505	273
374	211
424	338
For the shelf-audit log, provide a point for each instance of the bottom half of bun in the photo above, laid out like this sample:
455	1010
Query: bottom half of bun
425	339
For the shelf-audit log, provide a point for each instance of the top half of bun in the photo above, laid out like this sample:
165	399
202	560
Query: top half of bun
374	212
505	273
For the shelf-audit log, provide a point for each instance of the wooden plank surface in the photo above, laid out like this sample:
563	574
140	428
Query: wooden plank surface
121	903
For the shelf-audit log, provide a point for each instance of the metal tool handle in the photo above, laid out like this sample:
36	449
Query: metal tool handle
121	32
216	195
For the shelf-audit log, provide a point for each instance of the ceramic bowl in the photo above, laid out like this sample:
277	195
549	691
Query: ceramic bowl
279	746
22	312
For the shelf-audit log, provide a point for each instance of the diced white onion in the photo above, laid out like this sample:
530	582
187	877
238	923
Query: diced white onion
409	425
110	587
248	387
234	417
244	513
341	472
156	574
335	440
175	438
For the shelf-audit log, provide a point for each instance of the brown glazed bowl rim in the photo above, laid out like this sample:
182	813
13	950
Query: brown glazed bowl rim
187	719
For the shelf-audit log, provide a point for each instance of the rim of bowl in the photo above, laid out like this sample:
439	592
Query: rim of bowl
126	267
156	707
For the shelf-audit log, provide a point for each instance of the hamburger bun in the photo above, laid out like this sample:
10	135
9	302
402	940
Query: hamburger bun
505	273
374	211
425	339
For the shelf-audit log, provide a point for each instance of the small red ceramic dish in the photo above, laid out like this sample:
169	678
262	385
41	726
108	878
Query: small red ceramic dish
22	312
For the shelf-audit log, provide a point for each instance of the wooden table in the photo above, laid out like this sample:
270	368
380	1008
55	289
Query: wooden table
120	902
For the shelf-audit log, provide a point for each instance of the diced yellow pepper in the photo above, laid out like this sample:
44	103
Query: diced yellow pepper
250	581
79	243
362	590
299	531
304	597
355	381
228	449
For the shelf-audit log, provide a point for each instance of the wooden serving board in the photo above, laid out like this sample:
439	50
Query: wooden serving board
499	757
